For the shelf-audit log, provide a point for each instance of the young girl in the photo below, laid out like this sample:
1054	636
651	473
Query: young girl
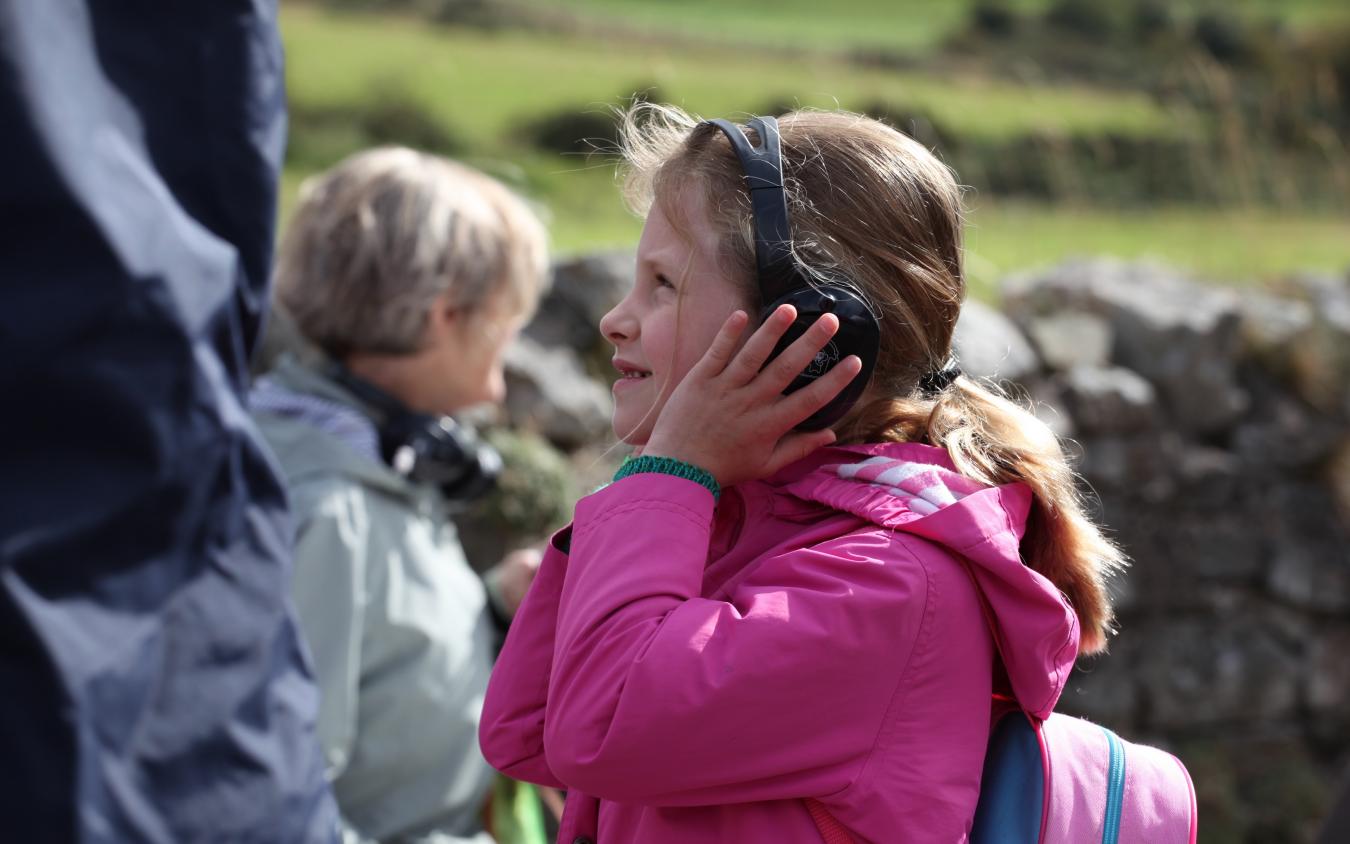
754	623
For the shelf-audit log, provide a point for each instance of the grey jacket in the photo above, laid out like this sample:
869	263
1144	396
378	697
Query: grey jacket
396	621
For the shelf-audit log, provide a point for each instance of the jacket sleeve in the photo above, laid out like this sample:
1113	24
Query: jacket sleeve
511	732
151	665
662	697
329	588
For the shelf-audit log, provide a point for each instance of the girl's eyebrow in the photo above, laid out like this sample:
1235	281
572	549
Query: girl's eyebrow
658	263
656	256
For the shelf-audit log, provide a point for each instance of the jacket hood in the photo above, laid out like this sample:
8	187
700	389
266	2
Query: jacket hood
915	488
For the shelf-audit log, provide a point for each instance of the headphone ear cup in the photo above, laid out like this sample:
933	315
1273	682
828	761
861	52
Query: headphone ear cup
426	448
439	451
859	334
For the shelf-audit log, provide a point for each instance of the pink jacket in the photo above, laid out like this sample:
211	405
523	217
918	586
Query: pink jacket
691	673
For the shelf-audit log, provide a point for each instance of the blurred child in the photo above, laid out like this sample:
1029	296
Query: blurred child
410	274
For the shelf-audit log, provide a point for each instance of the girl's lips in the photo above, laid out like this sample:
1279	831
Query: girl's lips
627	371
625	383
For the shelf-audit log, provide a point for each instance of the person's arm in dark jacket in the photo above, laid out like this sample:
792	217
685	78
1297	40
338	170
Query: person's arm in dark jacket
155	683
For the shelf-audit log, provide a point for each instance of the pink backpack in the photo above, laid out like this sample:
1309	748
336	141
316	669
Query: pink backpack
1065	780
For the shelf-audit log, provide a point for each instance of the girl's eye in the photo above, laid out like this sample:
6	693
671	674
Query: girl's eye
662	281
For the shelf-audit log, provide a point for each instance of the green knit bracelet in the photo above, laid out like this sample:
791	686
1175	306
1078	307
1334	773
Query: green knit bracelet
670	466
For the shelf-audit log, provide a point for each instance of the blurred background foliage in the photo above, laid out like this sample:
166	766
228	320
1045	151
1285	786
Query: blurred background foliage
1213	136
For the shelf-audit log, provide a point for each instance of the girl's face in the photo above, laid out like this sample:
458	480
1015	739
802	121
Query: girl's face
668	320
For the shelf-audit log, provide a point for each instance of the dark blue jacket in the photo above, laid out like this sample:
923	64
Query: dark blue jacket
153	686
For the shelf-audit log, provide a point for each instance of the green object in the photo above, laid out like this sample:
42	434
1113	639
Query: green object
670	466
517	813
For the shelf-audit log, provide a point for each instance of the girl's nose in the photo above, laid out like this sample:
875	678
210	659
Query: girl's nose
618	325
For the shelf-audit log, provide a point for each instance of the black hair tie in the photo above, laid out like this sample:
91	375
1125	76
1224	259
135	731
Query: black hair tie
934	382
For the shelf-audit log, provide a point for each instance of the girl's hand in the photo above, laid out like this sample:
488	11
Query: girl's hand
731	418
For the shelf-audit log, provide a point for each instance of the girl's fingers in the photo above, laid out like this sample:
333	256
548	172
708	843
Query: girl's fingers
800	354
818	393
761	344
797	445
724	344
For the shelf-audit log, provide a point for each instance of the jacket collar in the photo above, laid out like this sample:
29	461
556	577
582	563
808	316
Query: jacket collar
324	450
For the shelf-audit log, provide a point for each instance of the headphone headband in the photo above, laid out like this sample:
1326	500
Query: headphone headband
762	165
782	281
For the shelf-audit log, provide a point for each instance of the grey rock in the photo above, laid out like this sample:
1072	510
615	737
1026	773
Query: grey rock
1310	567
1311	574
1199	673
548	391
1320	356
989	345
1284	433
1328	292
1271	324
1212	480
1338	478
584	289
1109	400
1179	335
1139	463
1183	560
1329	674
1071	338
1221	547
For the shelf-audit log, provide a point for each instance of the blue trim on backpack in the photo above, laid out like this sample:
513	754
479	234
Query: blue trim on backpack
1115	788
1012	788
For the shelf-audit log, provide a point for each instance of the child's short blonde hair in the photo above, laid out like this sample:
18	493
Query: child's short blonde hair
378	238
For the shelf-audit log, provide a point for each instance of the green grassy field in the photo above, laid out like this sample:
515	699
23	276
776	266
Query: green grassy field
893	24
483	87
485	84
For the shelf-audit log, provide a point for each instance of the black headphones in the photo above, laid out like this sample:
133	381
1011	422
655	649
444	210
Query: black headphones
426	448
782	281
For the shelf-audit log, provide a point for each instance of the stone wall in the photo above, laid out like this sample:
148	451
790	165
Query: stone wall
1211	427
1214	427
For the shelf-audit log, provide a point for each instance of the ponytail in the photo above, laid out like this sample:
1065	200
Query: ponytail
992	440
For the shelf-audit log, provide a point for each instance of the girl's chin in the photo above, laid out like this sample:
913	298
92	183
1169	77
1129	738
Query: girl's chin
635	440
628	435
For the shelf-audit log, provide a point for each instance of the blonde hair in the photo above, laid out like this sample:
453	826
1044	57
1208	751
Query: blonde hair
379	237
873	204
